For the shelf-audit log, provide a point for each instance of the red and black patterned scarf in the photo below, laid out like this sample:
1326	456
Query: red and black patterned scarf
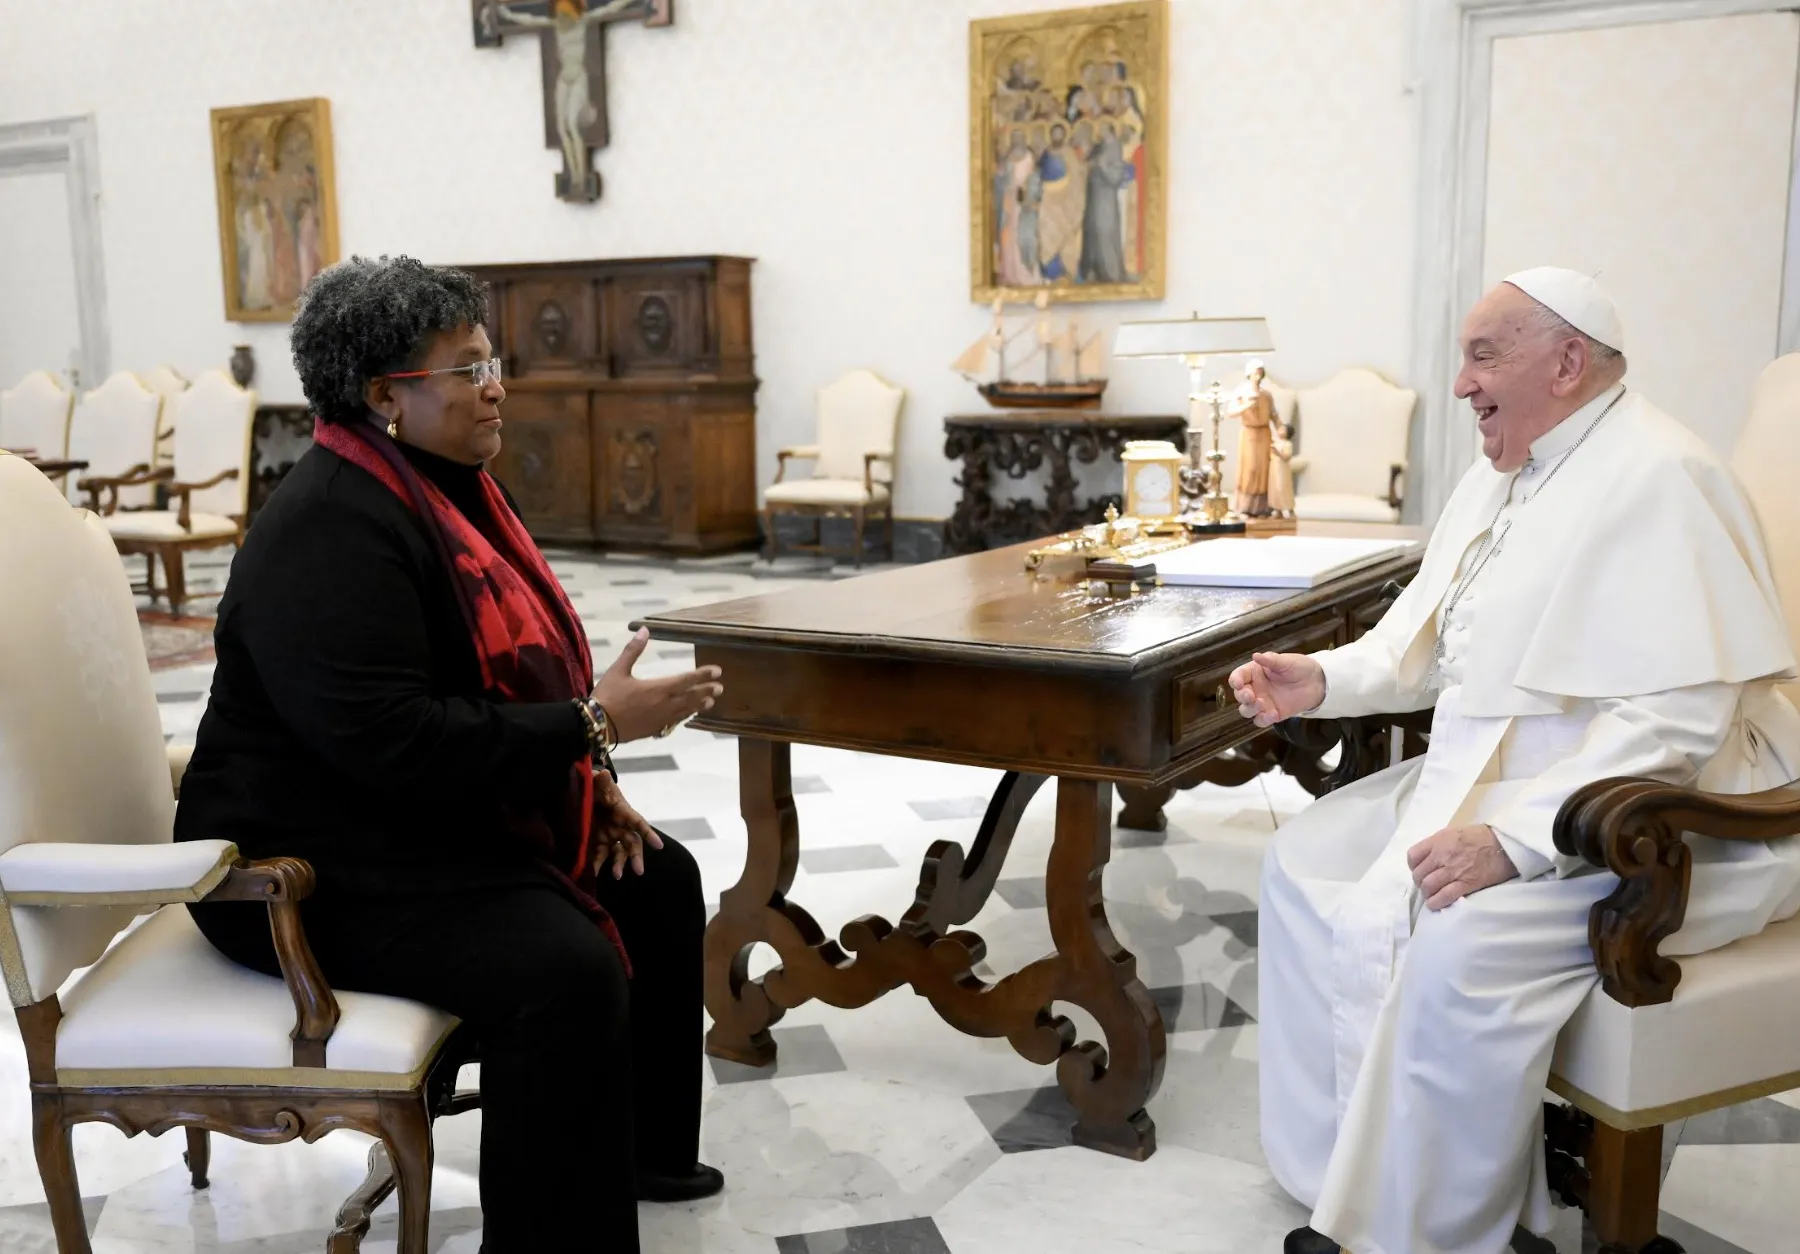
528	639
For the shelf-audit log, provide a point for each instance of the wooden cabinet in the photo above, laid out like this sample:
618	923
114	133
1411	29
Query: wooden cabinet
630	413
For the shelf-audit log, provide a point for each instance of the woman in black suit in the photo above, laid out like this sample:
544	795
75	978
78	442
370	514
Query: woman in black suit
404	698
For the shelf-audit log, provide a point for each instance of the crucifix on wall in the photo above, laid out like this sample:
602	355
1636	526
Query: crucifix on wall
570	34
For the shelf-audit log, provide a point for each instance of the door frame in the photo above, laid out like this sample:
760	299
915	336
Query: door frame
71	147
1453	55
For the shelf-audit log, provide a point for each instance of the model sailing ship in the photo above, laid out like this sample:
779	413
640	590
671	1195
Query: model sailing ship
1059	371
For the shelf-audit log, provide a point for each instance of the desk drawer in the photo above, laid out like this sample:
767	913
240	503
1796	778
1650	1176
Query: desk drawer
1201	700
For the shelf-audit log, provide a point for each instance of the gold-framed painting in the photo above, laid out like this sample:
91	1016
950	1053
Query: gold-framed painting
277	204
1068	153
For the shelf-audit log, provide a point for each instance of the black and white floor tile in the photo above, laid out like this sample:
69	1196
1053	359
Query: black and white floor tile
881	1130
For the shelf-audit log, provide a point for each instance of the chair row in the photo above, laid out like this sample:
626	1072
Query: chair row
135	441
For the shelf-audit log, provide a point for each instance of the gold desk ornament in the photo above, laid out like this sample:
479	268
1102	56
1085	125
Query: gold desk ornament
1117	539
1151	470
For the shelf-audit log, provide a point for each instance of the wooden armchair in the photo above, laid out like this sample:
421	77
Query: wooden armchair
208	484
34	419
161	1031
853	463
1350	448
1657	1040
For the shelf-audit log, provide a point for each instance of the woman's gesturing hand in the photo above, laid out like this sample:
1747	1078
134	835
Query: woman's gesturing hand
642	707
620	832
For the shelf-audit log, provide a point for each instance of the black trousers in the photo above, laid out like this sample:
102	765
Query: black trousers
586	1076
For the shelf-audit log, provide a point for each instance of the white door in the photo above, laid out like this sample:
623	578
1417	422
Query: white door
1658	158
40	325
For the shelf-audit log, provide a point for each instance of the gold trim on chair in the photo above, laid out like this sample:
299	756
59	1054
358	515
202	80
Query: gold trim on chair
1656	1116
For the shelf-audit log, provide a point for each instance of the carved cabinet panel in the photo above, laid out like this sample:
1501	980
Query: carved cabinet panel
631	400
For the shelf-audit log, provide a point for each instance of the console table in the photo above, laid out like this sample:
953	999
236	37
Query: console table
1018	442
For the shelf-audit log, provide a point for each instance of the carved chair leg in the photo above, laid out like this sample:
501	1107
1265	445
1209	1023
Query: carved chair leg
1624	1176
199	1156
354	1215
56	1165
406	1130
175	567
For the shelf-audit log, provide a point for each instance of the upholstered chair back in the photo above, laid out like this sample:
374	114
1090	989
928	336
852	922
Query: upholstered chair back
1353	429
858	414
113	430
168	383
213	422
1767	463
35	415
81	747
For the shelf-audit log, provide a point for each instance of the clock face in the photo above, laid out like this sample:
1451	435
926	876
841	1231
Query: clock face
1155	491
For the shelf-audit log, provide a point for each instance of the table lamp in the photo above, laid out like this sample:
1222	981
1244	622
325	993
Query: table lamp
1194	339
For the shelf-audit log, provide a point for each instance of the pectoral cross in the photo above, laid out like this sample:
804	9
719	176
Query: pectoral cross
574	55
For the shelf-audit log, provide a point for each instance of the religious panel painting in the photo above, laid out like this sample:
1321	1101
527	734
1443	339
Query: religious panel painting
277	204
1068	142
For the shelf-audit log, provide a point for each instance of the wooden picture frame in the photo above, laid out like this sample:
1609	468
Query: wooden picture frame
1059	103
277	194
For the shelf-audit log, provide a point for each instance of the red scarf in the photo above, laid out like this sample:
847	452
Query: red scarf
528	639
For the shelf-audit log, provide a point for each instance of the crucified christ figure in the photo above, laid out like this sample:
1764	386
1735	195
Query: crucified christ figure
568	21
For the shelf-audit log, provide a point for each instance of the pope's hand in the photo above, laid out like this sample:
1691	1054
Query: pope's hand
1458	861
1271	687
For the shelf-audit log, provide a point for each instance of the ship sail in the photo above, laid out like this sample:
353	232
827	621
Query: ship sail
974	360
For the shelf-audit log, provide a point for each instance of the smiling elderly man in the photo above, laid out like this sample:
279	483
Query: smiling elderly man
1594	602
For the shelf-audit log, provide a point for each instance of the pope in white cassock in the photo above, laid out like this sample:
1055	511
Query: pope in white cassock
1595	601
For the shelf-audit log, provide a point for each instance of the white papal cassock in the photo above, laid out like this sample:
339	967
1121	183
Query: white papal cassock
1618	618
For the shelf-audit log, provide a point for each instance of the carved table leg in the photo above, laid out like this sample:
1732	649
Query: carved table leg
199	1155
353	1216
952	887
1143	809
1109	1085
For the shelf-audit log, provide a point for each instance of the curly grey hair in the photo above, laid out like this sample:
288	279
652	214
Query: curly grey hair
364	317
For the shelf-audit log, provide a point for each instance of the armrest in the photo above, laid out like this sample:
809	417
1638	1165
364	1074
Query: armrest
869	460
179	756
183	490
1635	828
282	883
53	873
803	452
1395	472
135	477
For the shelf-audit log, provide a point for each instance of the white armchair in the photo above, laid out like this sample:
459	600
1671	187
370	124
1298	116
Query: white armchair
160	1031
113	430
1350	448
168	383
34	417
853	462
208	482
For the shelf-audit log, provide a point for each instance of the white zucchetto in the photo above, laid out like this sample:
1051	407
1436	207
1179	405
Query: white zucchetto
1576	299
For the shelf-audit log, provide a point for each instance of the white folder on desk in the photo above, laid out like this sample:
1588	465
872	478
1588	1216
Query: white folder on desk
1277	562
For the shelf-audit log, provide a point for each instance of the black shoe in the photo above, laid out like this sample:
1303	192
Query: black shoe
1306	1241
702	1181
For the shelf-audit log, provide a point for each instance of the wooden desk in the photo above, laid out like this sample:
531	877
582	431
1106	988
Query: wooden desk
973	660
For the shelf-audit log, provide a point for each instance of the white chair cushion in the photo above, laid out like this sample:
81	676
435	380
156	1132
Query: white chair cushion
824	492
1352	429
1344	507
114	874
1734	1022
165	524
857	415
163	1007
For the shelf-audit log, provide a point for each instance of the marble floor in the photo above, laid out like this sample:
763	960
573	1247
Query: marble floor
882	1131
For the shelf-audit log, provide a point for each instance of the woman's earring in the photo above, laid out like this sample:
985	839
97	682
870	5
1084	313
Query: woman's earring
393	429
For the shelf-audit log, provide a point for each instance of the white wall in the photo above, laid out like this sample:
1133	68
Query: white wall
1656	156
826	138
39	324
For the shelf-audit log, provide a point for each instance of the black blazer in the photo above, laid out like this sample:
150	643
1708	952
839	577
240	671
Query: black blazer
347	725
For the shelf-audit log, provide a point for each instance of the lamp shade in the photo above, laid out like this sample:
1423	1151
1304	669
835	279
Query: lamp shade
1185	337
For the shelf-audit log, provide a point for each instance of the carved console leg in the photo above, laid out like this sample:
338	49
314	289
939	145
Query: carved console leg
1109	1085
56	1164
1143	809
353	1216
199	1156
1624	1177
406	1130
740	1007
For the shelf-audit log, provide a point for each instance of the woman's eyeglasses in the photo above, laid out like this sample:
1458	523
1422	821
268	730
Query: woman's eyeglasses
480	373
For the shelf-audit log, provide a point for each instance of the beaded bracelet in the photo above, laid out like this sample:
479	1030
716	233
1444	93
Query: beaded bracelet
600	734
